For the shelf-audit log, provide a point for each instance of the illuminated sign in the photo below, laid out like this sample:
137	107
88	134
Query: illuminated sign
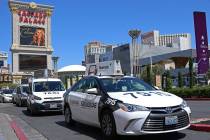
32	17
32	36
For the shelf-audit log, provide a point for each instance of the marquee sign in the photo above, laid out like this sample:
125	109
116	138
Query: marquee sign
32	17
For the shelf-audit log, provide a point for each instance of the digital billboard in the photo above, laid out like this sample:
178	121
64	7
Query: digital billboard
32	36
32	62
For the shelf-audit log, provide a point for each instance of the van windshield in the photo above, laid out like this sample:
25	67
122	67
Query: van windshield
48	86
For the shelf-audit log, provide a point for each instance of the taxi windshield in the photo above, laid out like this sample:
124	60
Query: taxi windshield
48	86
125	85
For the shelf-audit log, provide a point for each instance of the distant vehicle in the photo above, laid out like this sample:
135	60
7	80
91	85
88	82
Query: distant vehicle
45	94
22	94
6	96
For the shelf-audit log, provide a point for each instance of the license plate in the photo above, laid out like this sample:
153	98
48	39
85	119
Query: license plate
171	120
53	105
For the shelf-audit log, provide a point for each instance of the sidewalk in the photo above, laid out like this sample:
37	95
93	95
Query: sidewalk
6	131
202	124
14	128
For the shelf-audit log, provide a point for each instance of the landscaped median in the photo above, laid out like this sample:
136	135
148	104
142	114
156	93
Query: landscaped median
195	93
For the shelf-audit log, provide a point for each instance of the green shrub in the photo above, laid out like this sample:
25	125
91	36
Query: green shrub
201	92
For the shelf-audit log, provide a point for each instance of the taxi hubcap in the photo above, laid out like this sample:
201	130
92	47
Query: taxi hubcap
107	125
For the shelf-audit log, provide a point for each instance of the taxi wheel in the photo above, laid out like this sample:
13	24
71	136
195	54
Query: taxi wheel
108	124
3	100
68	117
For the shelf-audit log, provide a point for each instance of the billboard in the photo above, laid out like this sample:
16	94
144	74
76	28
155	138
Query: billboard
201	42
32	62
32	36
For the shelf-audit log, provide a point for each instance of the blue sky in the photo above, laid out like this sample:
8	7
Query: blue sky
77	22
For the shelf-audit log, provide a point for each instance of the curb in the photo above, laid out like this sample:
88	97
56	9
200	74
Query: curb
18	131
200	127
197	99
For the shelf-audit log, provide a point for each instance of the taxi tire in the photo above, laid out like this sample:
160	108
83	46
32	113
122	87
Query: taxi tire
68	117
107	120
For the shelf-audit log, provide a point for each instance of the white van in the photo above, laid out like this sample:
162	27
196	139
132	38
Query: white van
45	94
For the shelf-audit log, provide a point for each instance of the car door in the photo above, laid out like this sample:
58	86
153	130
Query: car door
89	102
74	99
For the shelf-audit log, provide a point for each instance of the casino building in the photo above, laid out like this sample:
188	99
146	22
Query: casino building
31	46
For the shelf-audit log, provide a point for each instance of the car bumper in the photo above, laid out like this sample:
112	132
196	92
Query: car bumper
8	99
147	122
47	106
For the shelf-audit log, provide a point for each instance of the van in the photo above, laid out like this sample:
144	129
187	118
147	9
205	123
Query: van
45	95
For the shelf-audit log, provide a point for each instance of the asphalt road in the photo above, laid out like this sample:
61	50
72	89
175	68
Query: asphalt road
52	125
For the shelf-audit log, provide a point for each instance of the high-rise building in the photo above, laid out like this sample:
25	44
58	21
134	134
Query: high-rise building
170	39
153	38
94	49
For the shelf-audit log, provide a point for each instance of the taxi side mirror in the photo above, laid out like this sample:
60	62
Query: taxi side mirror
92	91
157	88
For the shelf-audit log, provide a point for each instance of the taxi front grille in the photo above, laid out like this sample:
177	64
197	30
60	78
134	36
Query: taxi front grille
156	122
163	110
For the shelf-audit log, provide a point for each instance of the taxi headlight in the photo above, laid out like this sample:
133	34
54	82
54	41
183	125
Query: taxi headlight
132	108
184	104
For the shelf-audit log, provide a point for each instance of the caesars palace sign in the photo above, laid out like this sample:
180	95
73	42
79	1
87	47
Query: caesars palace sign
31	17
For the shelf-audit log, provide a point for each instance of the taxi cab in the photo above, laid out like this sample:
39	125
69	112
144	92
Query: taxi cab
123	105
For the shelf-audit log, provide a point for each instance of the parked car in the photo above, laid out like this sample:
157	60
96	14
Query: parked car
22	94
6	95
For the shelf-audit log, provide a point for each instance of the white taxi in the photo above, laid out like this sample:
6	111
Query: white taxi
124	105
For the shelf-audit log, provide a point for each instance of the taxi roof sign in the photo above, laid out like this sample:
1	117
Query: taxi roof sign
104	68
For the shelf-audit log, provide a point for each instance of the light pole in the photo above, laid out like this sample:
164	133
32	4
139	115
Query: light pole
55	63
134	51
